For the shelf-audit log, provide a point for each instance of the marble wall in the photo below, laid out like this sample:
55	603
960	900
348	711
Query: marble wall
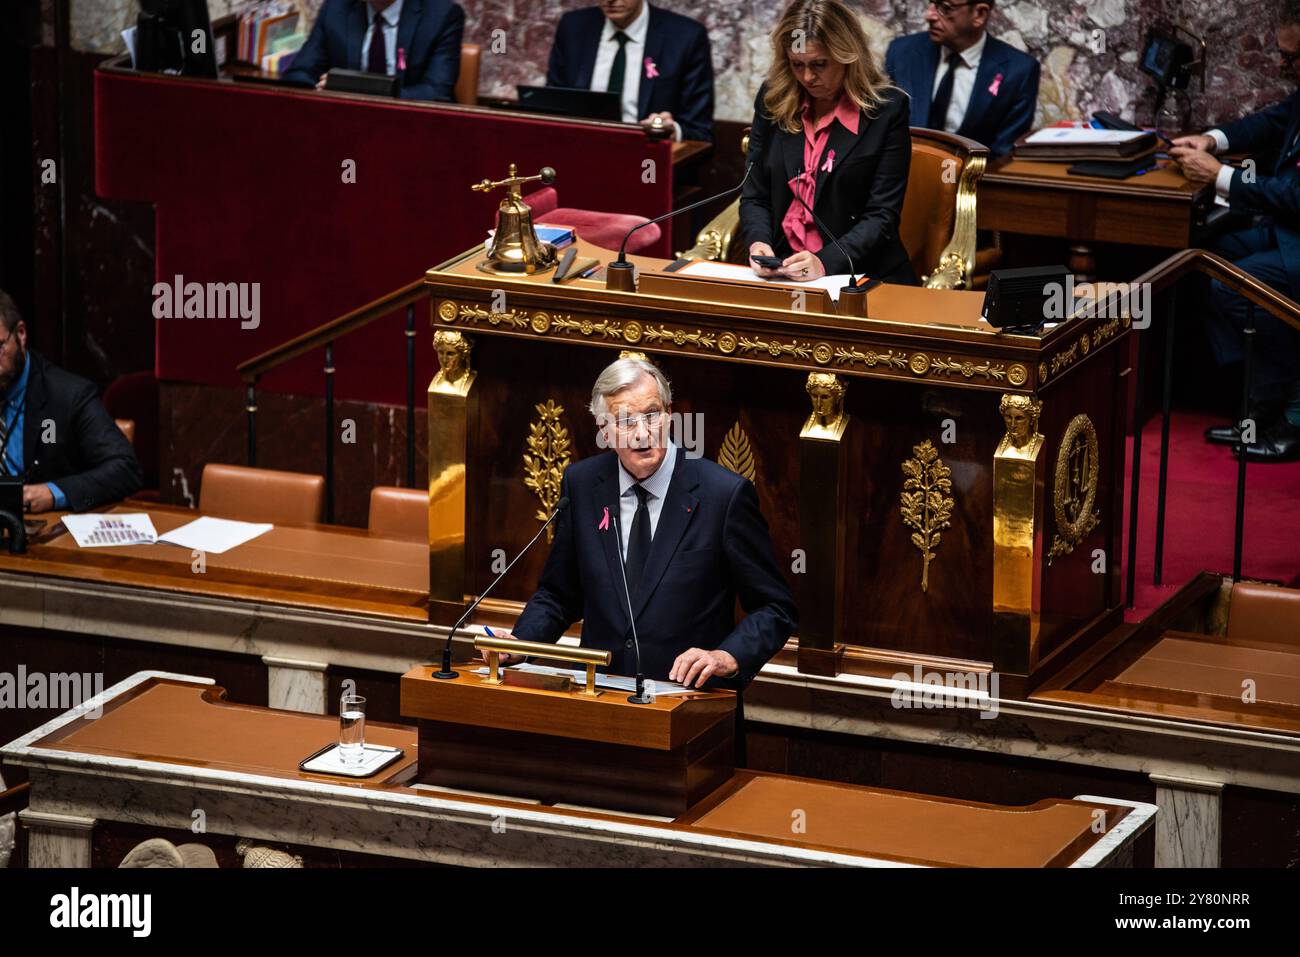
1089	51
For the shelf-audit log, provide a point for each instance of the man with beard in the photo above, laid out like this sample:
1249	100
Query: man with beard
55	434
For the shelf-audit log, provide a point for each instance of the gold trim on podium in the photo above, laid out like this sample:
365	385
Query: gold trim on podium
1018	494
493	648
823	480
451	402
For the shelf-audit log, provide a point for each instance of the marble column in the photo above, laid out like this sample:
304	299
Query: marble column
1188	825
57	840
295	685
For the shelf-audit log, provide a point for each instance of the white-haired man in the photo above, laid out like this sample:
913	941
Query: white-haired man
691	540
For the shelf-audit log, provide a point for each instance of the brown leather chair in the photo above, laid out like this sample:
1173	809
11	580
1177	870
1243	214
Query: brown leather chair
127	428
466	89
399	512
1264	613
937	225
261	495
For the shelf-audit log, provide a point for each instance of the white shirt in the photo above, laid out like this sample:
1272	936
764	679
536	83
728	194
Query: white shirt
963	82
656	485
392	14
635	53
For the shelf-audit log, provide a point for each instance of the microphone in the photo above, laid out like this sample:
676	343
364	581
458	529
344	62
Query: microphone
855	306
618	274
447	671
640	697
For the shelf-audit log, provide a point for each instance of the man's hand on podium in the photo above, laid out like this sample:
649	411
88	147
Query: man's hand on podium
506	660
696	666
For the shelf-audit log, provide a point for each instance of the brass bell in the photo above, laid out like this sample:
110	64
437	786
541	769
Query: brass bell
515	247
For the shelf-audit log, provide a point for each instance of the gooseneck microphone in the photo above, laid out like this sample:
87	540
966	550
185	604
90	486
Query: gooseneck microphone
447	672
618	274
855	306
640	697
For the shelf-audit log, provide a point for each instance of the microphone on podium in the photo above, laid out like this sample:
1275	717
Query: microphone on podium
619	275
447	672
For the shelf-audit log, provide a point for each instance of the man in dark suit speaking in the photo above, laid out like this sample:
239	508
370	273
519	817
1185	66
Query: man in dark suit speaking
964	81
54	431
416	40
659	61
691	537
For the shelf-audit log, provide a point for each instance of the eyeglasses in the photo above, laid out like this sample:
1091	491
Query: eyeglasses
5	344
946	9
630	423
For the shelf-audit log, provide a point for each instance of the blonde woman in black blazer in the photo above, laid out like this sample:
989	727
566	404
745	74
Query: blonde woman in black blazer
827	122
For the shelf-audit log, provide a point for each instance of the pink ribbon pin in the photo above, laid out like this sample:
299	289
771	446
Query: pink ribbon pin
604	522
401	58
830	162
651	71
997	82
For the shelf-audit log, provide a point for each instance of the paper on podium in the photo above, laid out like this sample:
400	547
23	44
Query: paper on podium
214	535
100	531
707	269
611	682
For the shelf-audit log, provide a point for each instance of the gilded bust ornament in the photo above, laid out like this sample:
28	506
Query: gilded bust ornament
828	419
1020	413
454	374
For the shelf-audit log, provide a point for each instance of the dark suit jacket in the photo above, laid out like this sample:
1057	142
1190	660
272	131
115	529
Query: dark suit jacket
995	119
710	546
89	459
679	47
429	31
1272	131
859	200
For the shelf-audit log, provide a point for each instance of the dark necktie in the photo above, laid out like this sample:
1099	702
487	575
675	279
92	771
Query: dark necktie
615	84
378	58
943	95
4	440
638	542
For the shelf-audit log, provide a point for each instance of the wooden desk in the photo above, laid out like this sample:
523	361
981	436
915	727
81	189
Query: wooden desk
167	743
1160	209
319	566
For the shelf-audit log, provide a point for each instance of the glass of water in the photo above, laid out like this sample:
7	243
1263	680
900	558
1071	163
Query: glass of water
352	728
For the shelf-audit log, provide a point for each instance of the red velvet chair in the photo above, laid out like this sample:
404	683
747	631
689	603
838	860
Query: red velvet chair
606	230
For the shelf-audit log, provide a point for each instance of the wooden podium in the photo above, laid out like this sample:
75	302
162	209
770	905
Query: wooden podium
942	496
568	746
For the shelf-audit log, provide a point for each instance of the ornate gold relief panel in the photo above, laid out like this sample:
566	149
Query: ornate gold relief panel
1074	494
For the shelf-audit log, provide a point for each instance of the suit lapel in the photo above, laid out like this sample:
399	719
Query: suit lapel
678	509
992	63
843	143
411	10
356	34
33	410
607	496
654	50
923	70
590	47
791	151
1289	146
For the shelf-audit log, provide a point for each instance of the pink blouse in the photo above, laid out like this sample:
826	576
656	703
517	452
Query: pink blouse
800	230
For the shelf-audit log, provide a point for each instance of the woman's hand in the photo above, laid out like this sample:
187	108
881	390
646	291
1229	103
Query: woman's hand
762	249
801	267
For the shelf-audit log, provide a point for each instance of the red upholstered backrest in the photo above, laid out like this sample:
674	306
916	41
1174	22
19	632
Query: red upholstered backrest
249	186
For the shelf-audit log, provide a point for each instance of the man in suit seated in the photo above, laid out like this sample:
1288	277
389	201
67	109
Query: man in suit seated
658	60
417	40
54	431
963	81
1269	250
690	536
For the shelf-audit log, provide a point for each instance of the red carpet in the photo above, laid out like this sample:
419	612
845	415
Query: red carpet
1200	512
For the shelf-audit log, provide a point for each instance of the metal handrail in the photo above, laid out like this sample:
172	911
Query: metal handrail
1257	295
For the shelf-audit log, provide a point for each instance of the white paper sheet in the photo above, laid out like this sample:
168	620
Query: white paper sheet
104	531
214	535
712	270
1069	136
612	682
